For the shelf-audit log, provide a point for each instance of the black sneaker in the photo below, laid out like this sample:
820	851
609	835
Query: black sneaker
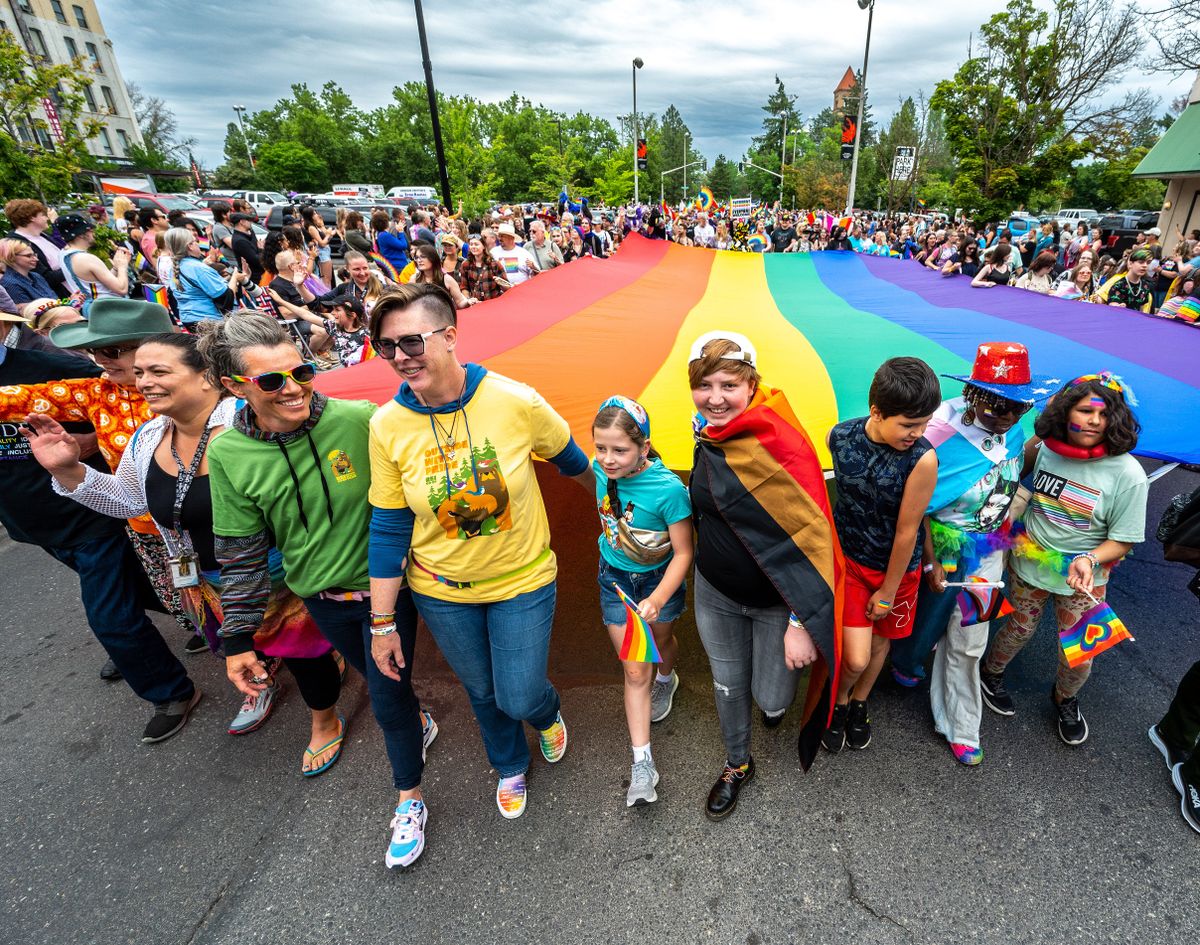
834	737
1173	756
858	725
995	694
169	718
1072	726
773	721
1189	793
109	672
195	644
723	797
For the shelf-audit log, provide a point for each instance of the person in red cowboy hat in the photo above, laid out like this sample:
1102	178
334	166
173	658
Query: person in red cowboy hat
980	449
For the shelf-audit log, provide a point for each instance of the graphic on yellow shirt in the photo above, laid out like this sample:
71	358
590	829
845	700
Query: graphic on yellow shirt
470	500
343	469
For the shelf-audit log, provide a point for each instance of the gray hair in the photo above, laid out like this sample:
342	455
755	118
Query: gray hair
223	342
176	242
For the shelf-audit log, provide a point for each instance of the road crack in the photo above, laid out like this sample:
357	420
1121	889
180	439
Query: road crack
862	903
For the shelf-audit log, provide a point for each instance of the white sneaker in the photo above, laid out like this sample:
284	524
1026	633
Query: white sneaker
642	783
408	834
662	697
429	729
254	711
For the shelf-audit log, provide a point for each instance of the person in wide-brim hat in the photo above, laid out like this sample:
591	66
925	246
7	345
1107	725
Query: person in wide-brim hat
112	321
1002	368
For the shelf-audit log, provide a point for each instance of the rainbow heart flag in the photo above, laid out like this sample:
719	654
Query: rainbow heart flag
638	645
705	199
981	604
1096	631
384	266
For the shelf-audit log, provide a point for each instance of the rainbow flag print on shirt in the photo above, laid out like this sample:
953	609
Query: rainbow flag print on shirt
1096	631
1064	501
638	645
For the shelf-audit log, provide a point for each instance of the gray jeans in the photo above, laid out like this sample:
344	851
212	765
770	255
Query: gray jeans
745	651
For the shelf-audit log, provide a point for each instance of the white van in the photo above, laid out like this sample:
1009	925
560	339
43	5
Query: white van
358	190
1075	216
413	193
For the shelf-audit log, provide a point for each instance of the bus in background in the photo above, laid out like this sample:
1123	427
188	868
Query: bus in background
358	190
412	193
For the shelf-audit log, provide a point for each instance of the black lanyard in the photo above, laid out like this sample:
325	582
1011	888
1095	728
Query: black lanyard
184	482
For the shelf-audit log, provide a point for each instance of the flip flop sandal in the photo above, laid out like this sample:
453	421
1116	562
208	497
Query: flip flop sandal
309	753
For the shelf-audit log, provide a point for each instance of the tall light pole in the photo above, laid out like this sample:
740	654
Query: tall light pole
561	155
685	165
637	64
869	6
782	156
433	112
242	126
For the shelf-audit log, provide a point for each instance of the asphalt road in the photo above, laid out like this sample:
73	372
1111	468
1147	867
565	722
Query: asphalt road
212	839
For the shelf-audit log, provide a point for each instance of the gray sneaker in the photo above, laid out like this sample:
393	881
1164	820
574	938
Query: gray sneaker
662	695
642	784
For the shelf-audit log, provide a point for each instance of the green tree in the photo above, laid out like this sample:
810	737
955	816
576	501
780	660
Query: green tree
723	179
288	165
235	173
33	162
1036	98
615	183
1109	184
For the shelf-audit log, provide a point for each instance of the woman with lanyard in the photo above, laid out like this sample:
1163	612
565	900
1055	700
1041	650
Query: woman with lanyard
294	464
768	579
457	508
164	474
199	290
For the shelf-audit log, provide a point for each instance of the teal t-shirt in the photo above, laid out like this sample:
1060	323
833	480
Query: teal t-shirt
1076	505
651	501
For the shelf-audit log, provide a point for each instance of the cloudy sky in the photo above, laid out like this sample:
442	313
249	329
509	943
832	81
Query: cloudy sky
715	61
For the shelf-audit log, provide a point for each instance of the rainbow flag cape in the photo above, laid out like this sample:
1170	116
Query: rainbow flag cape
385	267
1097	630
638	645
705	199
981	604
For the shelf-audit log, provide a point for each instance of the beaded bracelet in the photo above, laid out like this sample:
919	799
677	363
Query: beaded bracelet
1091	556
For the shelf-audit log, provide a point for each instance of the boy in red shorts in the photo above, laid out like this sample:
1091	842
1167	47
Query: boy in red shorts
886	472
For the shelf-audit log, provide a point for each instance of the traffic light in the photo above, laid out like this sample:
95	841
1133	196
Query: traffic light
641	154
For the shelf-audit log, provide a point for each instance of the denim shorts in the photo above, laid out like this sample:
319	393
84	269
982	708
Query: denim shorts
638	585
324	254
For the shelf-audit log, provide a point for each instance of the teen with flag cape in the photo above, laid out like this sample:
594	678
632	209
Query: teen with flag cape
768	485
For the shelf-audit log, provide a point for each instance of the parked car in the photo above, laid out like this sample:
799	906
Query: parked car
164	202
328	215
1121	228
1074	216
262	200
1019	224
209	201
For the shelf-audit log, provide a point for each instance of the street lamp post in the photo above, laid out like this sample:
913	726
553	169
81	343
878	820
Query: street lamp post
433	111
242	127
869	6
561	156
637	64
782	156
685	165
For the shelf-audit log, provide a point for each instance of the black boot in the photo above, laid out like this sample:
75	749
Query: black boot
723	797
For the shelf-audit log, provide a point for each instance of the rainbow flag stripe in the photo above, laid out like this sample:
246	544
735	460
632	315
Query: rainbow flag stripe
823	323
1097	630
385	267
1073	507
638	645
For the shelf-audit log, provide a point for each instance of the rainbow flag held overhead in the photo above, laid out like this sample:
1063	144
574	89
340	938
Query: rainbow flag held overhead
384	266
1096	631
705	200
981	604
638	645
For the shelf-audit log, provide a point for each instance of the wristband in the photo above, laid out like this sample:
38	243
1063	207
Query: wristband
380	619
1091	556
927	568
383	630
794	621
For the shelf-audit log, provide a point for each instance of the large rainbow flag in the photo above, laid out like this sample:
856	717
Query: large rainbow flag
822	322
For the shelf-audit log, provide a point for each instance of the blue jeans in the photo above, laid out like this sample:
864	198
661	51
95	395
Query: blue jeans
112	585
499	652
933	617
347	625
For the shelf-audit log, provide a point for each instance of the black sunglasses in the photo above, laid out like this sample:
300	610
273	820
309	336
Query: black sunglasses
112	352
272	381
411	345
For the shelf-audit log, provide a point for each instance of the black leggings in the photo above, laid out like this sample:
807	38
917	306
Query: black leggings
318	679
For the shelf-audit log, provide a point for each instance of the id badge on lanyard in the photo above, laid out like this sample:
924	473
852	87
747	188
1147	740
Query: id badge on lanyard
185	563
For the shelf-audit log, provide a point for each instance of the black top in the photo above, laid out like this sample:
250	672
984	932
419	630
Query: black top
29	508
870	486
720	555
197	513
288	291
1000	278
782	238
245	247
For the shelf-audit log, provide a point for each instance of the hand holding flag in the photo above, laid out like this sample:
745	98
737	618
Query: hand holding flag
638	645
1098	629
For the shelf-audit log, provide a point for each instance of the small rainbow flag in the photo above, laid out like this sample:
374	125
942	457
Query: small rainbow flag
157	293
981	604
846	222
384	266
1096	631
757	242
705	199
368	352
920	202
638	645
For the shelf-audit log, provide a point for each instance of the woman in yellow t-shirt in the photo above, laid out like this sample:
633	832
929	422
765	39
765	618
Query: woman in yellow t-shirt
456	507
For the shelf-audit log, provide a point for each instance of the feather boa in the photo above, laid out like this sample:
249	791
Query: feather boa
955	547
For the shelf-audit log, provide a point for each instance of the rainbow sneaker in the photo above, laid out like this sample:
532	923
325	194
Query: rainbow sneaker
965	754
554	740
510	796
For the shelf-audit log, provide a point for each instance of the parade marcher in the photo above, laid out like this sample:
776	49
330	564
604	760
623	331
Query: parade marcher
646	550
1039	276
1130	289
516	261
704	234
760	623
458	510
1087	512
295	465
429	272
164	473
996	271
482	277
546	254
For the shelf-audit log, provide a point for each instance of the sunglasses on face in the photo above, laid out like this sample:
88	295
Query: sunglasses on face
272	381
112	352
411	345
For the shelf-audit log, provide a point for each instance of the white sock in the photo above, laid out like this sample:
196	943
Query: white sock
659	677
641	753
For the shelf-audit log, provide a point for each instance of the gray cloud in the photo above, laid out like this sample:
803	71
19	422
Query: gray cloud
714	61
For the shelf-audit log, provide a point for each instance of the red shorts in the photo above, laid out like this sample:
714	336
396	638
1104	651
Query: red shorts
862	583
